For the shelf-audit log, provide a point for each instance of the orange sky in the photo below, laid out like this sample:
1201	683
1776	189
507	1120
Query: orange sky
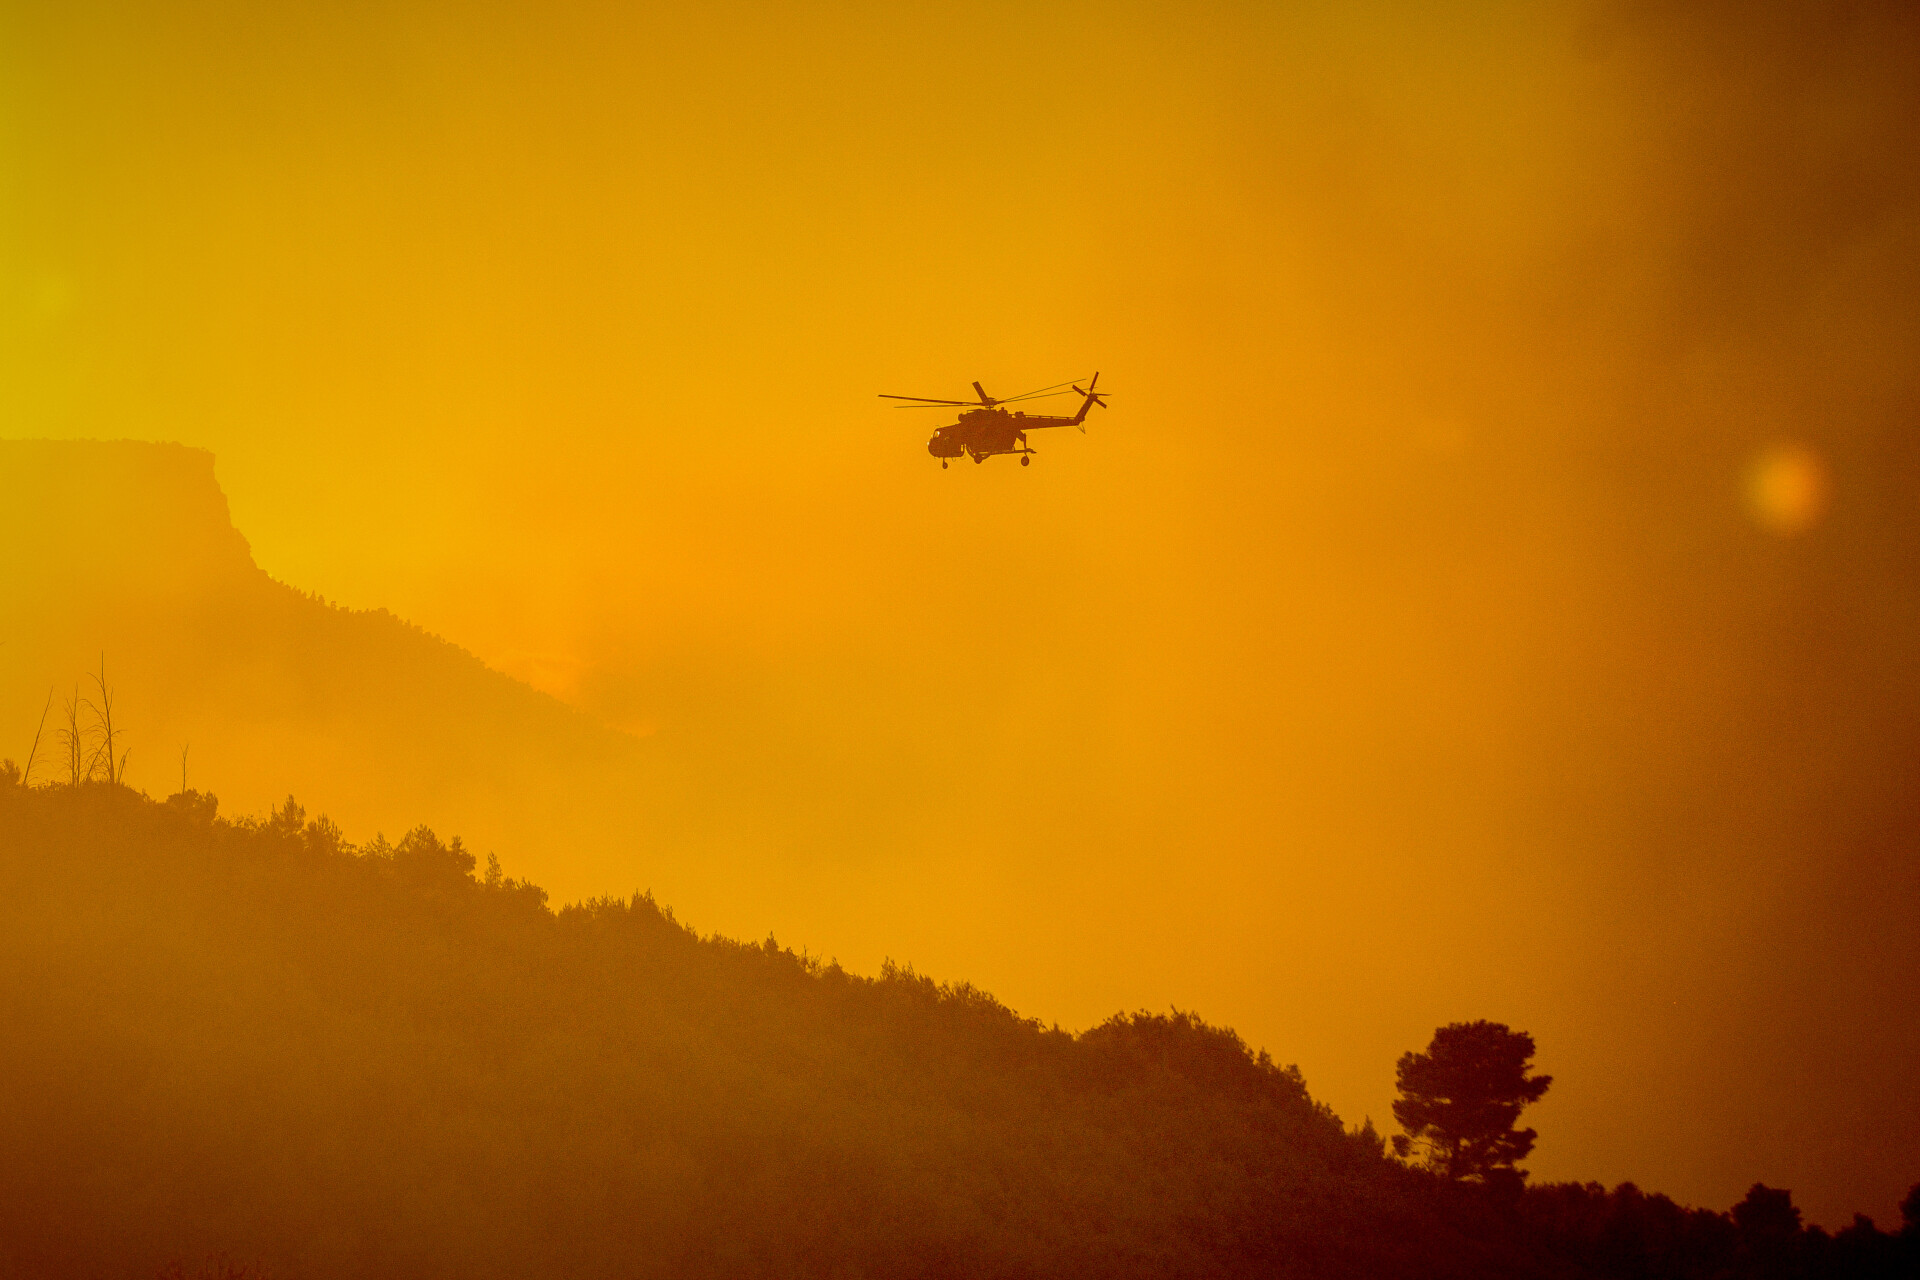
1490	594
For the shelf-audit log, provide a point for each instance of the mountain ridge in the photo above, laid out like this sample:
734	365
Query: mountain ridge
129	555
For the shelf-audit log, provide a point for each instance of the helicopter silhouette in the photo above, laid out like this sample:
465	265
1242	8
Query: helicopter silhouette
986	430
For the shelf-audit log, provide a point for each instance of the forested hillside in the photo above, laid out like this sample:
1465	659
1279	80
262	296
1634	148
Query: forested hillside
249	1038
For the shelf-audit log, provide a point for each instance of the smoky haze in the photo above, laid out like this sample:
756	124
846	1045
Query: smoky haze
1491	593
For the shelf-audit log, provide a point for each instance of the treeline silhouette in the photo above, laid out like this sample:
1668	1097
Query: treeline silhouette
250	1039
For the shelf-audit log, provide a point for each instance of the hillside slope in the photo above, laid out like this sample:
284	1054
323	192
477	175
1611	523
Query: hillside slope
253	1040
248	1038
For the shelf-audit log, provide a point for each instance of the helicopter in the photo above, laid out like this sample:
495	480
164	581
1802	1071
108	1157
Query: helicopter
986	430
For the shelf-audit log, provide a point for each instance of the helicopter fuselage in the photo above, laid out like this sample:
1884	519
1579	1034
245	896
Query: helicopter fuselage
984	433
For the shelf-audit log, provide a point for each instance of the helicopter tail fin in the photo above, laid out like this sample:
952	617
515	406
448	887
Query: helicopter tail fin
1093	397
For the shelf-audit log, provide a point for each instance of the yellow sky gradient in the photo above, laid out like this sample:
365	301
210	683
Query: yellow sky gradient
1404	645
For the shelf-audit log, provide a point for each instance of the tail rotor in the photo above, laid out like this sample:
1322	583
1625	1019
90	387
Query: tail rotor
1093	397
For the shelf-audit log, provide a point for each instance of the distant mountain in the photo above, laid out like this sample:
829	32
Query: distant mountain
127	549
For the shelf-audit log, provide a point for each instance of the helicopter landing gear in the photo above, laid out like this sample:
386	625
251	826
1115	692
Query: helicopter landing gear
1025	460
943	464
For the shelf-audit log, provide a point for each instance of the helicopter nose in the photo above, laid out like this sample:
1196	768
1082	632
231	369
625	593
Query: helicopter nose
940	447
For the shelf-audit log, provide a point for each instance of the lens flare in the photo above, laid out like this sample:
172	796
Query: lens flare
1787	489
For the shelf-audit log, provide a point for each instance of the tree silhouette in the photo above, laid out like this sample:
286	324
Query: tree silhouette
1767	1215
26	774
113	758
1460	1099
74	740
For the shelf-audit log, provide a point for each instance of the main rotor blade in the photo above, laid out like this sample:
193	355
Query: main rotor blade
955	404
1034	395
1055	387
923	399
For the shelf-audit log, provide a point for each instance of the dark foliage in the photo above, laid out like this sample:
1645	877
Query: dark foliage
1460	1101
251	1040
216	1268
